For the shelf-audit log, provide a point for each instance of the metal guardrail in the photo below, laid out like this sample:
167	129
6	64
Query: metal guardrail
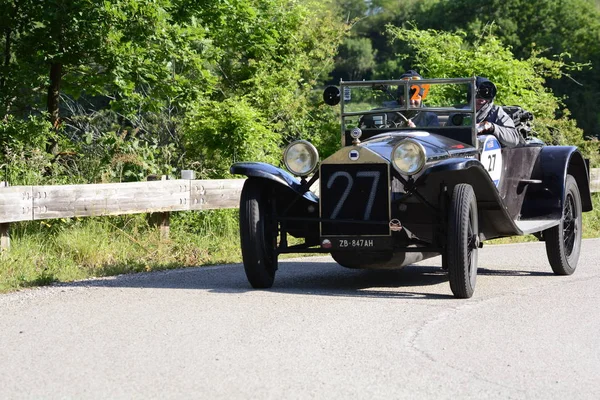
30	203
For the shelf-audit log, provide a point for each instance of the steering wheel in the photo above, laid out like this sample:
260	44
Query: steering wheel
403	120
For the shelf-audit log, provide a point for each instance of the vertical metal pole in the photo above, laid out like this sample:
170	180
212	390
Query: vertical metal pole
473	89
4	230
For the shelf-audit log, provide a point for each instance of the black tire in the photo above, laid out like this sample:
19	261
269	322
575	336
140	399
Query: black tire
463	241
258	234
563	242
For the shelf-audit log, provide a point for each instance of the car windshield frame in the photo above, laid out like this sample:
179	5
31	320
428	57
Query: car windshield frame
382	85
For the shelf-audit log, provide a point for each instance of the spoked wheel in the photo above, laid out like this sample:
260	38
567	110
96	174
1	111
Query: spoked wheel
258	234
563	242
463	241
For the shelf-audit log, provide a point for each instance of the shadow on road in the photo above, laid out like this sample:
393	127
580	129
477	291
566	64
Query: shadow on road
294	277
320	278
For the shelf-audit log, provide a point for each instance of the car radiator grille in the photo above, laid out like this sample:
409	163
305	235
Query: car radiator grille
358	193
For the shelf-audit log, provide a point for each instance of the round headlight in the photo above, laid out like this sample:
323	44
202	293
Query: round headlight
300	158
409	157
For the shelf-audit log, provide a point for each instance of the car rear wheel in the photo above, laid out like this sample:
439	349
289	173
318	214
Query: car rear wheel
258	234
463	241
563	242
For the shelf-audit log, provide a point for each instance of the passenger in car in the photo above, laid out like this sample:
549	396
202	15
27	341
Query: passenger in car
492	119
421	118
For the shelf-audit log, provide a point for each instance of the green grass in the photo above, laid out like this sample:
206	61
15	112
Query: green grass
66	250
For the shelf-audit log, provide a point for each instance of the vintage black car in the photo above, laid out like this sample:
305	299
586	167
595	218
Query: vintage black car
395	194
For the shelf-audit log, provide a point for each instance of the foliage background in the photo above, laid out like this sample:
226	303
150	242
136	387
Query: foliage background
115	90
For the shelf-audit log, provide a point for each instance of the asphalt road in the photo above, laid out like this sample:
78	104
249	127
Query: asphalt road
322	332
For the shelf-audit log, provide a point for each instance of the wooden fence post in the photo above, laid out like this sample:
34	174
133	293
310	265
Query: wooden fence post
4	229
160	219
595	180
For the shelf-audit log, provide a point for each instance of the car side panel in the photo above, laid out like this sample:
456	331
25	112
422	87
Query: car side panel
518	165
495	219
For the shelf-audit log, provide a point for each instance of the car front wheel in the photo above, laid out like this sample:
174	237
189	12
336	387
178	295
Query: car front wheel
463	241
563	242
258	234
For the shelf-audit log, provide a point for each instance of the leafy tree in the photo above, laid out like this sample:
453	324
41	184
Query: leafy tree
553	28
198	75
356	58
366	21
567	29
519	82
269	57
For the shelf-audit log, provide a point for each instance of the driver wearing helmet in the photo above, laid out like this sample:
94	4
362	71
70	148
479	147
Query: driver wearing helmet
492	119
421	118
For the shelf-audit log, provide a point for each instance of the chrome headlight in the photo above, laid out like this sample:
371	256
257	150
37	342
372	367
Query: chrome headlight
409	157
300	158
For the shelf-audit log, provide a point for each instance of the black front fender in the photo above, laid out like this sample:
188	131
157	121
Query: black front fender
463	170
272	173
552	167
495	219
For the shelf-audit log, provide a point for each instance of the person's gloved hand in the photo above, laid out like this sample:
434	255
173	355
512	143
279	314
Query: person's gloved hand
485	127
411	124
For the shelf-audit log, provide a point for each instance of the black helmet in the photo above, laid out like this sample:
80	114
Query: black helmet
411	74
485	88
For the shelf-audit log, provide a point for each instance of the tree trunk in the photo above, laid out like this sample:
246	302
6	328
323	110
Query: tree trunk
54	103
7	37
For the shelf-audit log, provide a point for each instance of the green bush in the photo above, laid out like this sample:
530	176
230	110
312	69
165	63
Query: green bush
519	81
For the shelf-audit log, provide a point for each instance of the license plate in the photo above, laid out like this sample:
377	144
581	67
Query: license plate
353	243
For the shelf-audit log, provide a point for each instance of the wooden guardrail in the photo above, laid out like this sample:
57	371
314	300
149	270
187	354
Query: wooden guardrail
595	180
29	203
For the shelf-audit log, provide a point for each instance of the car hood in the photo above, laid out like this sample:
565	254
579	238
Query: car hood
436	147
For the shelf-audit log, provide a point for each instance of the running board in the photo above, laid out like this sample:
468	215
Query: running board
536	225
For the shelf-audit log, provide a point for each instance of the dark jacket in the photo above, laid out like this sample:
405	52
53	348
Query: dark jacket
426	118
504	127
